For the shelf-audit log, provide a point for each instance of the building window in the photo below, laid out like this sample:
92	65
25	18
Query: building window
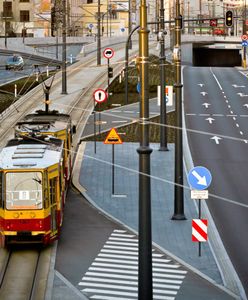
24	15
89	1
24	1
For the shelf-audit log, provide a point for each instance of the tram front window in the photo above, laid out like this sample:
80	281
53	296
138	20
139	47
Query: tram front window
24	190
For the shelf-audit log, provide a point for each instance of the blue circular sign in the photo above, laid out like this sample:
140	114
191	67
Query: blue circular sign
122	29
138	88
199	178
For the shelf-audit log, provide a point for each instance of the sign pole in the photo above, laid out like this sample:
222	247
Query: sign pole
199	208
113	169
99	119
94	111
108	76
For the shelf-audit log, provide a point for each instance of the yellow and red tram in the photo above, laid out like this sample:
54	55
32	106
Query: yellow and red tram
35	169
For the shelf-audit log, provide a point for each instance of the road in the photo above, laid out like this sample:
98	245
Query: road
216	103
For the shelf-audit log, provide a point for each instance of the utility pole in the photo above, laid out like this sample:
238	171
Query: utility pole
144	151
129	23
163	129
5	22
64	79
98	33
178	187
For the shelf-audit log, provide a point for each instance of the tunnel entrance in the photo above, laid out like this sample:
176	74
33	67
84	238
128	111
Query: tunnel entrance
205	57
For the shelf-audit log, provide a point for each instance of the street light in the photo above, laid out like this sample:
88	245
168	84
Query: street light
64	81
144	151
178	188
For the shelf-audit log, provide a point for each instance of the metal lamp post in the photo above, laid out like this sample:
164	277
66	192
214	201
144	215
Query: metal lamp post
144	151
163	129
98	33
178	188
64	79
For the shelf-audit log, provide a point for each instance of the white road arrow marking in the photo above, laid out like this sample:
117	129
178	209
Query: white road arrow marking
238	86
201	84
242	95
246	105
201	180
206	104
216	139
203	93
210	120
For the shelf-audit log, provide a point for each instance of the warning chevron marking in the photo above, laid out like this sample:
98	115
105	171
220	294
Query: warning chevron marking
113	138
199	230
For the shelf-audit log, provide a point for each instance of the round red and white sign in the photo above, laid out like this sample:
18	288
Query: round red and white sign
100	95
244	37
108	53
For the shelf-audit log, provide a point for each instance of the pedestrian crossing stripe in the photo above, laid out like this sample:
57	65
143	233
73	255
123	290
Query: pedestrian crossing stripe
113	138
114	272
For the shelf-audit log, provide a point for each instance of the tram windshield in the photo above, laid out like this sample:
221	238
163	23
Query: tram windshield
24	190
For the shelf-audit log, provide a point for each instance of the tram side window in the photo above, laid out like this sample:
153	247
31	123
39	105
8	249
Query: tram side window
1	189
52	183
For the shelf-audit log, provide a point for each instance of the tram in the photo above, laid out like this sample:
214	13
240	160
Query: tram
35	169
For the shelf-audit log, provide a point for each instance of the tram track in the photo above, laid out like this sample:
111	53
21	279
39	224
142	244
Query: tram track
24	273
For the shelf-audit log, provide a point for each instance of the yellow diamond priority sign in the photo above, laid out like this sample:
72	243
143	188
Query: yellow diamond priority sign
113	138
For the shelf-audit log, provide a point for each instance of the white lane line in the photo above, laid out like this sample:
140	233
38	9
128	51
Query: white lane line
216	80
241	132
237	124
231	115
217	115
134	283
164	270
155	297
121	243
244	116
123	239
231	111
114	270
123	235
118	256
102	297
120	231
129	111
234	118
110	280
225	96
118	276
229	106
246	141
190	114
128	252
165	264
109	260
112	275
132	257
119	121
204	115
97	291
124	288
122	248
110	286
159	275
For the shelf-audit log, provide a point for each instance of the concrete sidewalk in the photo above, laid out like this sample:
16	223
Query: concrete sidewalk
172	237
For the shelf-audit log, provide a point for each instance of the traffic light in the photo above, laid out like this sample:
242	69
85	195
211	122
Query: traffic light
229	18
110	72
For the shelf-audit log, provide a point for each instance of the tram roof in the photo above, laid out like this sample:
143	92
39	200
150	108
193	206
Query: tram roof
30	155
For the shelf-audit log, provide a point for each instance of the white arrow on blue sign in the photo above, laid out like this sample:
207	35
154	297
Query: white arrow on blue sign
244	43
138	87
199	178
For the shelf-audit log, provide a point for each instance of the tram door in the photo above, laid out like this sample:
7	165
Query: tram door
53	204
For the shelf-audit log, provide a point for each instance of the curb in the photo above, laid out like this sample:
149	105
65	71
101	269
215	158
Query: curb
82	190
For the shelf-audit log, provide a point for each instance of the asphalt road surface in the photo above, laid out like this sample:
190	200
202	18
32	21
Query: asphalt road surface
216	103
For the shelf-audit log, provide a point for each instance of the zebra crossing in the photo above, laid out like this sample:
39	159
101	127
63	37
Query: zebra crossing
113	275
